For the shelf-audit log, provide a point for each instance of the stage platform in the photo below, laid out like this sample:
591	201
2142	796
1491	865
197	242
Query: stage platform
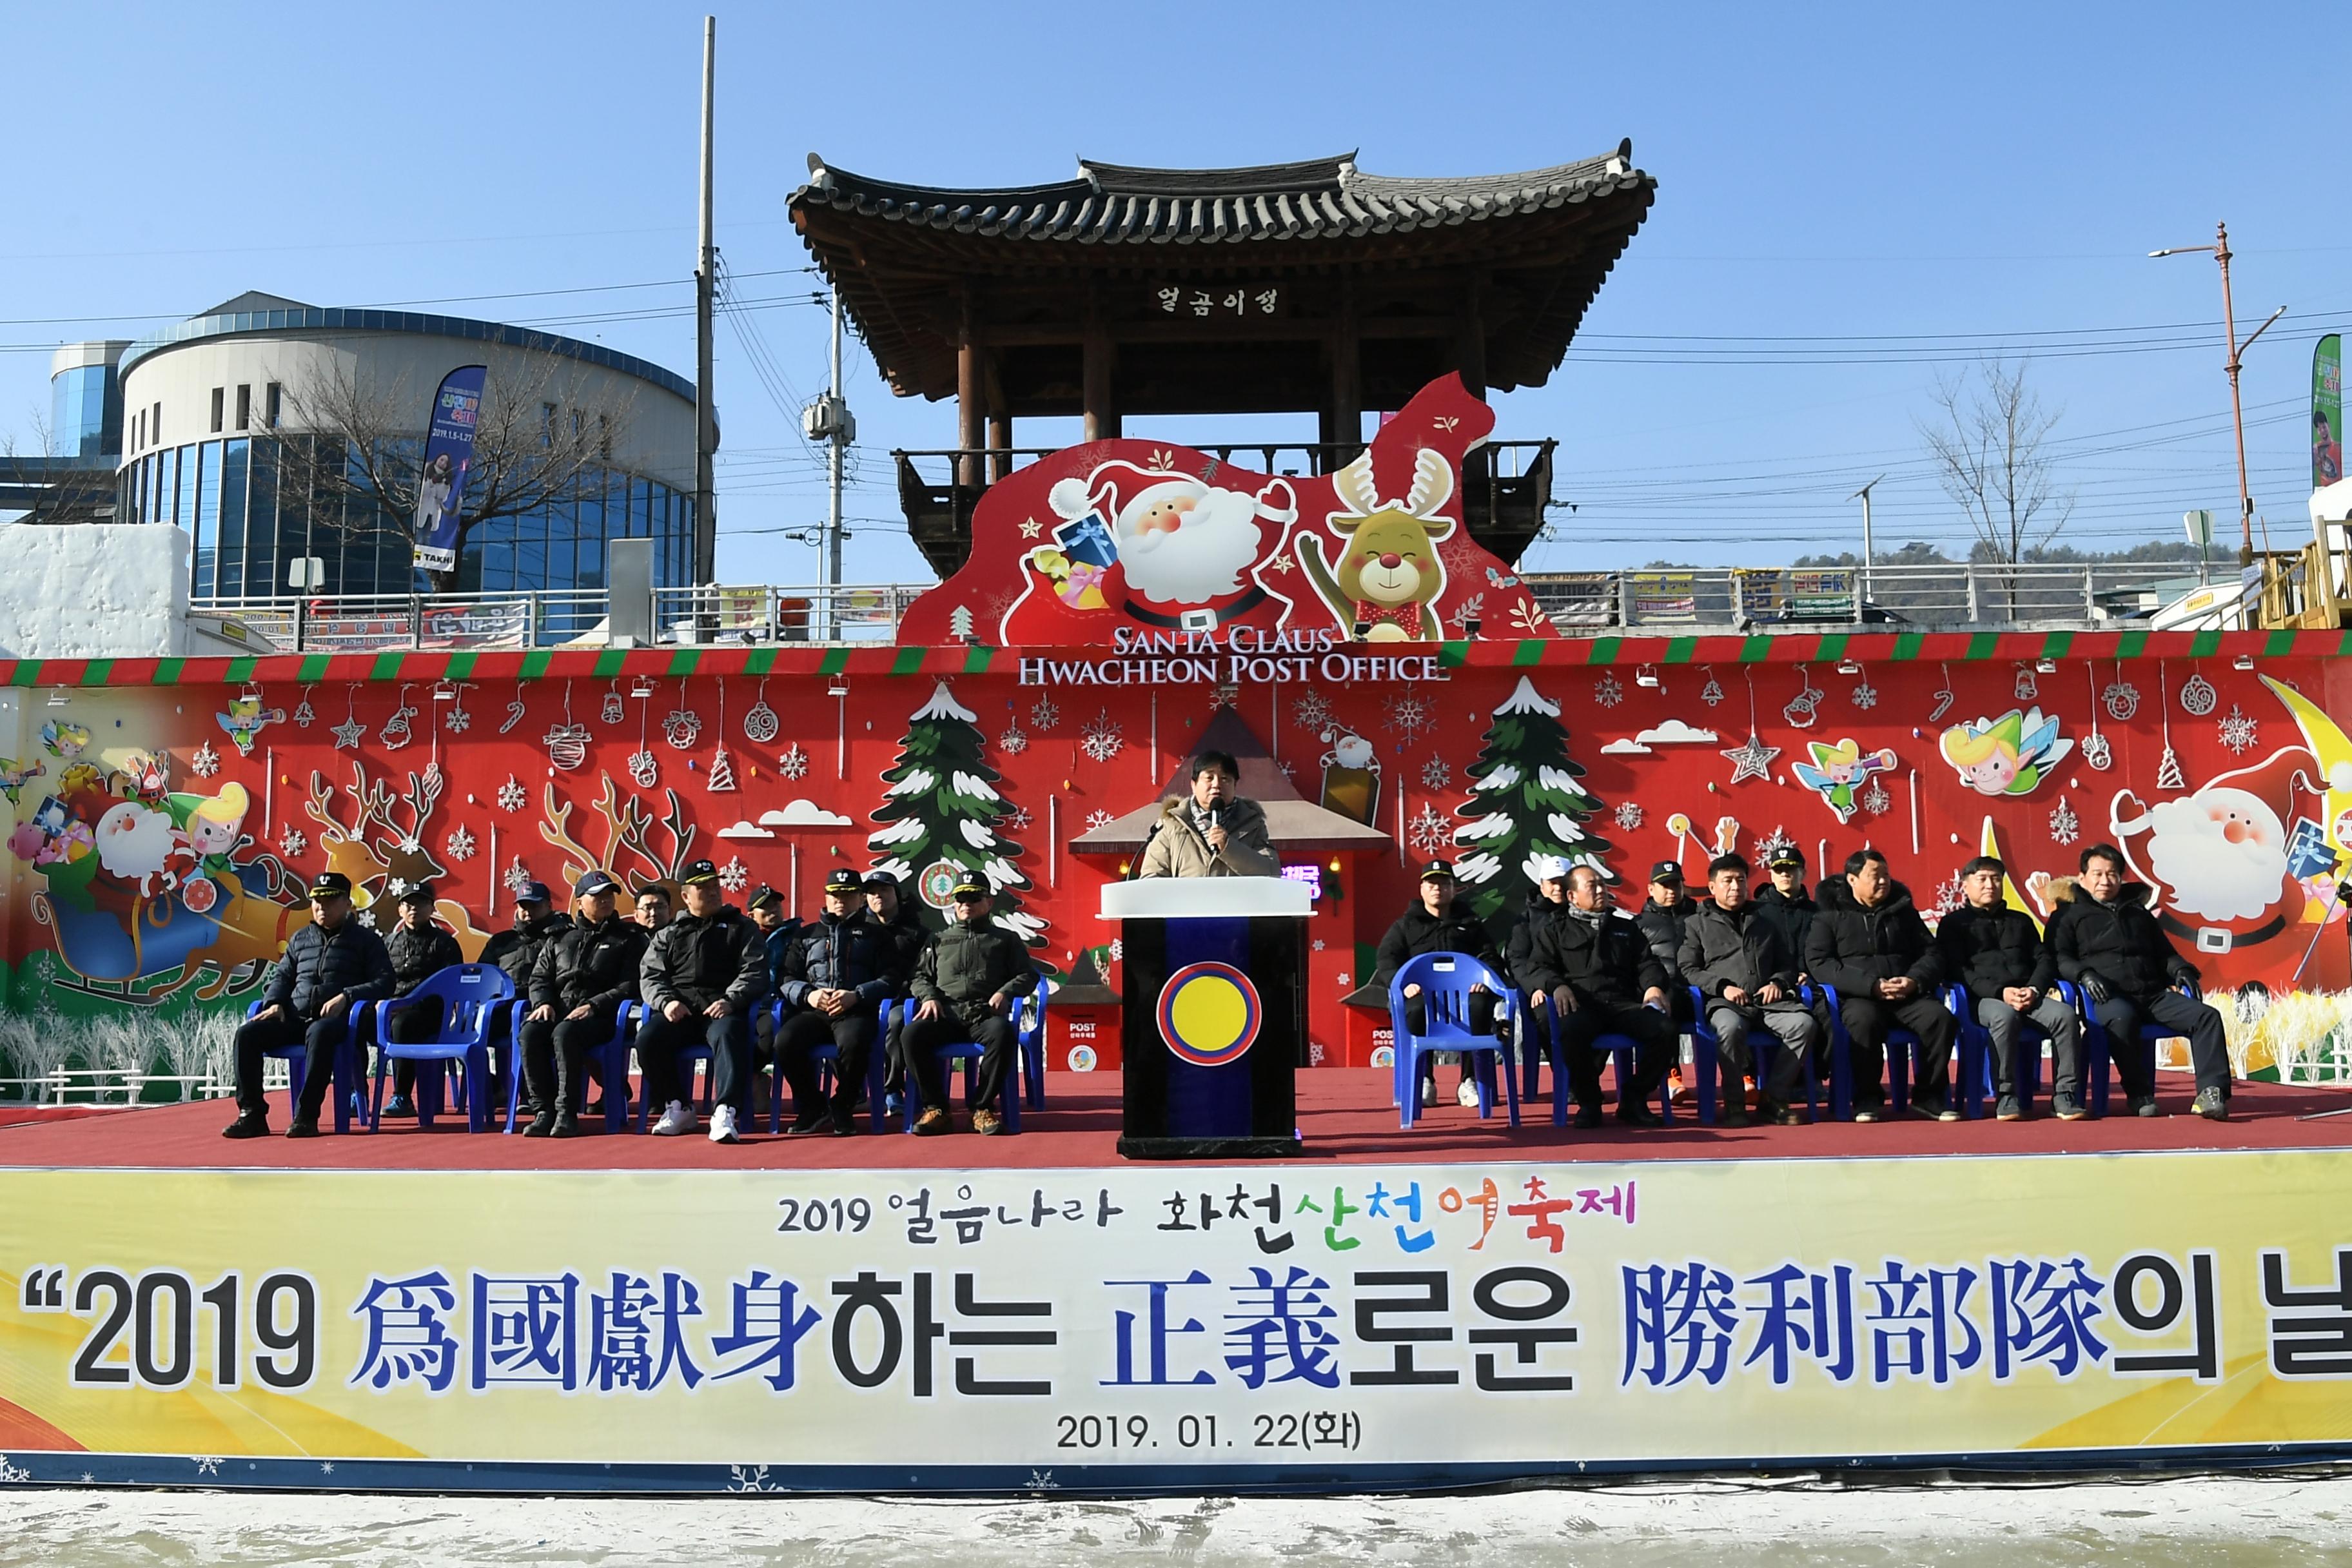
1344	1118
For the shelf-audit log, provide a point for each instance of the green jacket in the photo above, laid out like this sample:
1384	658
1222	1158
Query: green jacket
968	964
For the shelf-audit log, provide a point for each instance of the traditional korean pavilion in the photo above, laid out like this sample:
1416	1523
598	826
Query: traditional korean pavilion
1276	289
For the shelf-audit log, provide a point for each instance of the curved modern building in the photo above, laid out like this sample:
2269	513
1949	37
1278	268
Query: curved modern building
213	429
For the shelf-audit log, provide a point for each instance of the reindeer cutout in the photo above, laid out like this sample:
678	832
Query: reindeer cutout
376	844
629	828
1389	577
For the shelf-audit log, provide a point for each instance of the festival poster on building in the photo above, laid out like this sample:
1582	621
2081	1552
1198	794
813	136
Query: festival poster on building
2327	411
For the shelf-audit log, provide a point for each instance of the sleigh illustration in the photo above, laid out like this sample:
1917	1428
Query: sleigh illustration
115	949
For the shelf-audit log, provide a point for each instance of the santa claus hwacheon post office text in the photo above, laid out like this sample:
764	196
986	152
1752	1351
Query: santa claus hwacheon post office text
1246	654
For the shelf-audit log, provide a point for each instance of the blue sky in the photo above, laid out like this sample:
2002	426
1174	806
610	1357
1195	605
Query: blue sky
1919	184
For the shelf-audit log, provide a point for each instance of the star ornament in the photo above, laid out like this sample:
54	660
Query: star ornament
1030	528
1752	759
347	733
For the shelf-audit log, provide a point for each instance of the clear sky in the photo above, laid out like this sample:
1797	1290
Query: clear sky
1849	204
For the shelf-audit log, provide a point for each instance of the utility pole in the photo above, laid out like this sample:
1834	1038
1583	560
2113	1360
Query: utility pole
1863	494
705	291
2221	252
827	418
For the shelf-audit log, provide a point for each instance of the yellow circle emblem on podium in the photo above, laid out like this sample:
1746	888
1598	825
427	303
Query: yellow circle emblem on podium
1208	1012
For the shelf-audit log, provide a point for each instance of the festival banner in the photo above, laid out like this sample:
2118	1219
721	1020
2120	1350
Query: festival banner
448	458
2327	411
1137	1329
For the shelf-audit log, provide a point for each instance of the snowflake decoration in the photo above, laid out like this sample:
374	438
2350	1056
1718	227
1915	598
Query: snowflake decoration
1117	949
2168	772
205	762
1014	742
2198	697
1224	697
2121	698
2097	753
645	768
460	845
1948	896
304	716
1101	740
1609	691
1629	815
293	842
734	876
516	877
1866	695
1311	711
1098	819
1436	774
1712	692
1874	799
1044	713
457	720
1409	717
2238	730
367	918
1018	819
1427	832
1772	844
510	795
794	764
395	886
681	729
2064	828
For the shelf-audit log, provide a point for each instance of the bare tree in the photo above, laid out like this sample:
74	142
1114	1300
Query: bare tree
1990	449
356	445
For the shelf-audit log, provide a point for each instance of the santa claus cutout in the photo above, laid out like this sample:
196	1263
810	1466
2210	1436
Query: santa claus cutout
1170	551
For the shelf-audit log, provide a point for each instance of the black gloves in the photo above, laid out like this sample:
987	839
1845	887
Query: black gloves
2095	986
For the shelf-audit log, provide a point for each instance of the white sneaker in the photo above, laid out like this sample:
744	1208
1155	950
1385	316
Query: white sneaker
675	1118
1467	1095
722	1124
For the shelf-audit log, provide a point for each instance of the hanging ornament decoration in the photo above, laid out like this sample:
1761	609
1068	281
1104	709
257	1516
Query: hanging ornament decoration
645	768
1864	695
396	732
1409	717
2097	753
292	842
2167	771
1312	711
1943	697
567	743
734	876
461	843
2237	728
1044	713
1436	774
1770	845
459	719
2121	698
1712	692
795	763
304	714
721	777
682	727
760	725
1428	832
2063	827
614	710
512	796
1805	706
1100	740
1014	742
205	762
1609	691
516	877
1629	815
1752	759
2094	750
2029	683
1226	696
347	733
1875	800
2197	696
514	711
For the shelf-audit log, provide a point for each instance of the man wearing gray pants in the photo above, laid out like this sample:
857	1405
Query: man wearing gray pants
1996	954
1742	964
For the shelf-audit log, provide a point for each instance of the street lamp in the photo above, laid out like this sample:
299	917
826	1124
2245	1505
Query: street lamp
2221	252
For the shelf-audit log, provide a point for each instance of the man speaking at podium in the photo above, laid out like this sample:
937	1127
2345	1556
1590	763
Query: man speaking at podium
1213	831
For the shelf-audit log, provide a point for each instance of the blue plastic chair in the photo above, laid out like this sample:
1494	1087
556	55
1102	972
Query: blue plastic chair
470	994
1903	1048
1033	1047
1976	1074
356	1023
2098	1050
1623	1056
1028	1016
611	1061
1445	980
827	1057
1706	1059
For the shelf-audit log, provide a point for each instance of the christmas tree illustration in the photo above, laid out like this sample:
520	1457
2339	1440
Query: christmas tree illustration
941	813
1524	803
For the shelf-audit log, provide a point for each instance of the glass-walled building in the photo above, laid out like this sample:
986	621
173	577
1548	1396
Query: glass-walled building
86	400
215	442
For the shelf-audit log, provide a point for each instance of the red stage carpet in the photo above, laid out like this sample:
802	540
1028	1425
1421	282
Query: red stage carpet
1344	1115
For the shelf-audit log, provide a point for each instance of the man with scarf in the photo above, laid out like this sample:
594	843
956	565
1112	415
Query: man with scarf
1590	972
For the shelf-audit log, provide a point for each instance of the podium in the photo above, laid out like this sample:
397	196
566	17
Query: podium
1213	1015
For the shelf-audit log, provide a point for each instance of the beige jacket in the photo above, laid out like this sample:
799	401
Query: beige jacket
1179	849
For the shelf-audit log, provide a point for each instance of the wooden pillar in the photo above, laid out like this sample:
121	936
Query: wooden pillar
1346	375
1470	338
1102	422
1000	438
971	401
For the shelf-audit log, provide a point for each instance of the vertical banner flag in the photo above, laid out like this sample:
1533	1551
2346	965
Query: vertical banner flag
449	454
2327	411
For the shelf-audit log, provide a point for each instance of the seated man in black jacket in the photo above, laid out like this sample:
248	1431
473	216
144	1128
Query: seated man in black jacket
963	987
887	905
1786	904
1742	964
1995	954
1592	972
584	977
1438	922
836	970
420	949
1869	943
2106	941
329	967
702	974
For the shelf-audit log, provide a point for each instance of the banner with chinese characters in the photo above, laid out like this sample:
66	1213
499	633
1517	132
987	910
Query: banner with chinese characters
1133	1329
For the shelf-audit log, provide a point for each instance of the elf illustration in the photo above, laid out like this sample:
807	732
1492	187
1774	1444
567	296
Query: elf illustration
2005	756
1838	772
15	775
245	719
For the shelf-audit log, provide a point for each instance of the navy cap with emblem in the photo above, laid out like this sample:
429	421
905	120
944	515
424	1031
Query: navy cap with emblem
595	883
533	893
331	885
695	872
1437	868
1668	871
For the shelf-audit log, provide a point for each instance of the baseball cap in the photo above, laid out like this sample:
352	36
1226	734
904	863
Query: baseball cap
417	893
533	893
1551	867
1435	869
879	878
1787	854
843	880
971	887
762	896
1667	871
595	883
331	885
695	872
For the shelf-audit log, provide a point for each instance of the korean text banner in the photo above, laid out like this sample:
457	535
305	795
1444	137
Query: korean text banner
2327	411
448	459
1134	1329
